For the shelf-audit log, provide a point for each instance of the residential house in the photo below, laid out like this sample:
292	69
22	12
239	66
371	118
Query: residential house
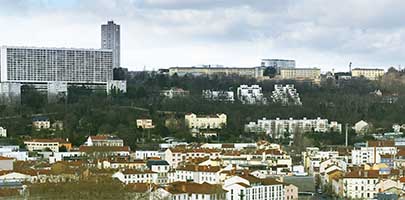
128	176
251	94
192	191
361	127
217	121
144	123
3	132
39	123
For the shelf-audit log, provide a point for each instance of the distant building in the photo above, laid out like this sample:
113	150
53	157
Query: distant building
217	121
174	93
44	144
300	74
6	163
277	64
40	123
286	95
251	94
250	187
192	191
144	123
225	96
118	86
371	74
3	132
278	127
111	39
136	176
104	140
254	72
361	127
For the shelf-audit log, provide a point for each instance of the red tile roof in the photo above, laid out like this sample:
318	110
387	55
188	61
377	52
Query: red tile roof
194	188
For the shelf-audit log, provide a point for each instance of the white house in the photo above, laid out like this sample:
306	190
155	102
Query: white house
144	123
145	154
249	187
197	174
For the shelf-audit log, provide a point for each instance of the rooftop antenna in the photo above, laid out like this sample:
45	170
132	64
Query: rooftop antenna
350	67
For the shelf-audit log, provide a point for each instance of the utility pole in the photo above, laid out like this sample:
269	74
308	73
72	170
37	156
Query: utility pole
346	138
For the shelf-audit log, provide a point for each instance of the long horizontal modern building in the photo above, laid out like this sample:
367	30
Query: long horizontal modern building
43	65
255	72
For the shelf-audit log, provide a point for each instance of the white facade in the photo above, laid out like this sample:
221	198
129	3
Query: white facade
142	154
144	123
277	127
278	63
286	95
117	86
371	155
251	94
238	187
197	174
42	65
3	132
361	127
225	96
205	121
135	176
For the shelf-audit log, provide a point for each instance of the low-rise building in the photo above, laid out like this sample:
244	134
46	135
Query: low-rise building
247	186
136	176
47	144
161	167
371	74
300	74
361	127
146	154
217	121
104	140
197	174
373	152
39	123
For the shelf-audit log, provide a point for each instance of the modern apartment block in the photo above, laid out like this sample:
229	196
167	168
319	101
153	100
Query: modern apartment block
277	127
110	39
224	96
286	95
251	94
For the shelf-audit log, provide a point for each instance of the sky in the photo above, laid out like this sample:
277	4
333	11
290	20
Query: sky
328	34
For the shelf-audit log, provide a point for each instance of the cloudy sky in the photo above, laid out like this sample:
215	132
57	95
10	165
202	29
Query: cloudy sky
164	33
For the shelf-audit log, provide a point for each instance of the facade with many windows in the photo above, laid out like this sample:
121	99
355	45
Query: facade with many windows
43	65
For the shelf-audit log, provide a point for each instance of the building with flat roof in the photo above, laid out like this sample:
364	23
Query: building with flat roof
43	65
254	72
371	74
300	74
111	39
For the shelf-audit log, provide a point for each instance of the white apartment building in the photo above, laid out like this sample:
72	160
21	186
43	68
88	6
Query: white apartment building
250	187
104	140
43	144
224	96
144	123
197	174
176	156
136	176
277	127
3	132
145	154
371	74
286	95
251	94
205	121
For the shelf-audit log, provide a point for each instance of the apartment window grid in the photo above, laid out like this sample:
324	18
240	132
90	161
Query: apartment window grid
44	65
